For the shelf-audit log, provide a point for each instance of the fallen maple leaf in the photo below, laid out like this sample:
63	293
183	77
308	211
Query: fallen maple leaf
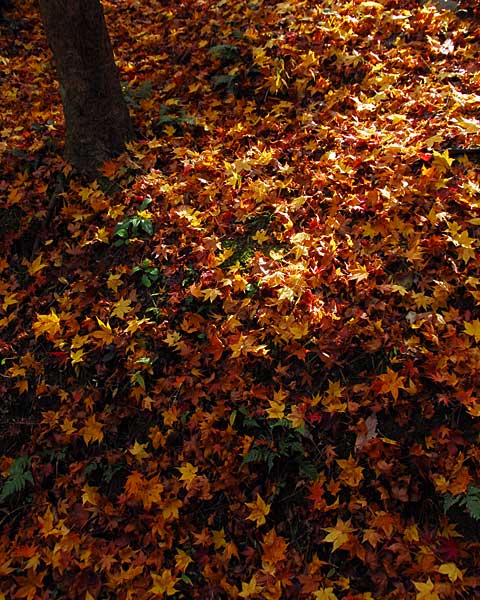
138	451
121	308
49	324
325	594
189	472
451	570
37	265
92	432
105	333
250	589
391	382
426	591
338	535
260	510
182	560
473	328
164	584
274	548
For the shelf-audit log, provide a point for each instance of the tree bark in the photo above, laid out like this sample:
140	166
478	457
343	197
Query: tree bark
97	123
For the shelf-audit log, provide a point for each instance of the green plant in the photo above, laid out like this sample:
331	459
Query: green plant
175	117
134	96
225	52
148	274
469	501
134	226
277	445
19	475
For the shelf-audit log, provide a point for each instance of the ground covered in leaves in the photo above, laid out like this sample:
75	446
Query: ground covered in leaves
244	362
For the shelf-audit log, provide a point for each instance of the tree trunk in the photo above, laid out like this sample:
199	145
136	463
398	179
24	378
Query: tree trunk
97	123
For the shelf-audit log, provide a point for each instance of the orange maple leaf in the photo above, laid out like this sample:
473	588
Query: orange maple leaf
135	481
391	382
92	431
274	548
351	474
182	560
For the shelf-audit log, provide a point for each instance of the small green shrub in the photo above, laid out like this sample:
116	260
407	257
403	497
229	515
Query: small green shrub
148	274
469	501
19	475
134	226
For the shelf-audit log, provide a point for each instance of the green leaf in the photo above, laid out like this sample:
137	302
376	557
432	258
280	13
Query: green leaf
146	281
472	502
138	378
225	52
449	501
19	475
146	203
147	226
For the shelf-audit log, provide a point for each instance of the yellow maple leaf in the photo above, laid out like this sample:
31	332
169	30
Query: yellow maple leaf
211	294
37	265
325	594
442	160
261	236
22	386
182	560
9	300
164	584
351	474
468	125
78	341
451	570
77	356
171	509
260	510
297	416
121	308
338	535
250	589
426	591
114	282
473	328
138	450
218	537
105	333
49	324
276	410
102	235
90	495
189	472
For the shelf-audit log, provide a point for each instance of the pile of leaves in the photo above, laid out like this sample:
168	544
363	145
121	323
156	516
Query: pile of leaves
243	362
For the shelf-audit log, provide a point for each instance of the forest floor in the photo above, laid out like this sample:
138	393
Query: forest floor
244	361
